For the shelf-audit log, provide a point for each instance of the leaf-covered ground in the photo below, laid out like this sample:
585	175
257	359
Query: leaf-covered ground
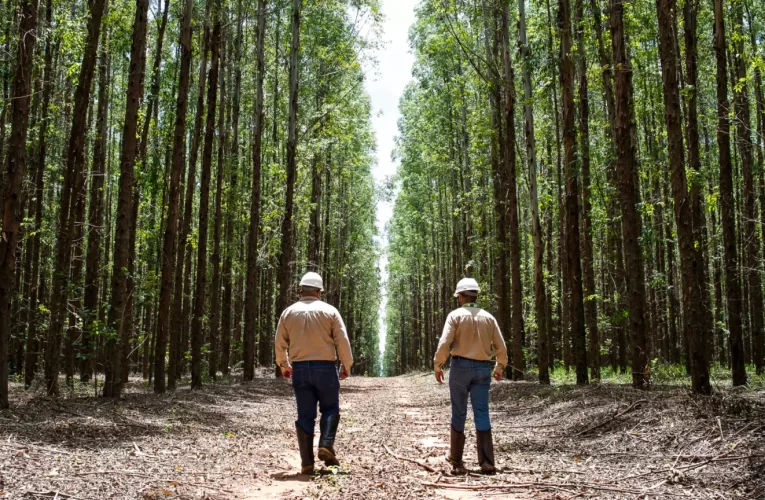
238	441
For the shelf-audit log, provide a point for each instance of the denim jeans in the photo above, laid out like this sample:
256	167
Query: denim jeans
315	382
470	378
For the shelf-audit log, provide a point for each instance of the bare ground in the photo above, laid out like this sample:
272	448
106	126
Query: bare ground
238	441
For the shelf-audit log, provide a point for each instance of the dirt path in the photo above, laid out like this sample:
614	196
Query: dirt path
238	441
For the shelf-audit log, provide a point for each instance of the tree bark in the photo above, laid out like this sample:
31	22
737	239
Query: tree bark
171	224
751	248
32	343
588	271
73	164
14	177
117	336
250	304
540	296
511	195
215	260
629	192
204	204
573	243
287	243
691	261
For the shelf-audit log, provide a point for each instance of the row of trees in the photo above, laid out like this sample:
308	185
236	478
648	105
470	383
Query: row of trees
586	163
170	169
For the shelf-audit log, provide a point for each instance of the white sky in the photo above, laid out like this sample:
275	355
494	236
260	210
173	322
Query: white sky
385	87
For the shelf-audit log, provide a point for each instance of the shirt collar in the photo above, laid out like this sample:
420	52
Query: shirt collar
470	304
308	299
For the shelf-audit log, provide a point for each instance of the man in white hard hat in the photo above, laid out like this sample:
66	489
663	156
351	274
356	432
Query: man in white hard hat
311	336
470	335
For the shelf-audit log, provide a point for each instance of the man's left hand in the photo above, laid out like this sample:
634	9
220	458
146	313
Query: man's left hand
440	376
287	373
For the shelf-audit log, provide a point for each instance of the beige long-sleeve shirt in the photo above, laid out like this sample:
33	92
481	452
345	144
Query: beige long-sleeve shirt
312	330
471	332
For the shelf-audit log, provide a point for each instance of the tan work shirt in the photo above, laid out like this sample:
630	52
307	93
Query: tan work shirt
470	332
312	330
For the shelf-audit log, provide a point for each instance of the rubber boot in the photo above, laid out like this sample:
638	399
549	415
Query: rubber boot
327	440
305	442
485	449
457	446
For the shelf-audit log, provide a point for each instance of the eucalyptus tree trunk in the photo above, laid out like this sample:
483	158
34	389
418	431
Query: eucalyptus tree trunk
117	334
511	195
204	203
14	177
231	204
691	261
627	166
590	294
751	247
32	343
179	328
171	224
95	220
287	243
251	303
573	244
215	260
540	296
73	163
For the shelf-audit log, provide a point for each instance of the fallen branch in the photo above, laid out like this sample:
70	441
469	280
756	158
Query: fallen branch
53	494
405	459
618	415
557	486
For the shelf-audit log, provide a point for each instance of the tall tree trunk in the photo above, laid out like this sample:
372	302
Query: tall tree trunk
540	296
691	261
590	294
95	220
215	260
32	344
250	304
231	205
204	203
182	302
516	287
629	192
751	248
287	243
14	176
116	333
73	164
573	244
171	224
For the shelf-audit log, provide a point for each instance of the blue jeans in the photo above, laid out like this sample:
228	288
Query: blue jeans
315	382
470	378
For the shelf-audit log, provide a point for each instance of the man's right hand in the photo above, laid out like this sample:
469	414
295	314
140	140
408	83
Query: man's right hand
287	373
440	376
343	373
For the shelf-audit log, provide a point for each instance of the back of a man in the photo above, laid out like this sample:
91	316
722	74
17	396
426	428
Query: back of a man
310	338
471	336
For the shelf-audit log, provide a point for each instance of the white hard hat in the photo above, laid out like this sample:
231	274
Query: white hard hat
467	285
312	280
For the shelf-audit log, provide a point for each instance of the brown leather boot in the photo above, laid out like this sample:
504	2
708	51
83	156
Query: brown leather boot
485	449
457	446
305	442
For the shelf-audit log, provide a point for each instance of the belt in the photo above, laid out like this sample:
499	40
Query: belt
473	360
315	361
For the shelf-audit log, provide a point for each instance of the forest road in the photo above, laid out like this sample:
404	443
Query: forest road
237	441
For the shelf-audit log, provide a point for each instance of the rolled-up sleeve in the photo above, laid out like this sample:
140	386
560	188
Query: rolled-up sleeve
500	349
282	343
342	344
445	344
